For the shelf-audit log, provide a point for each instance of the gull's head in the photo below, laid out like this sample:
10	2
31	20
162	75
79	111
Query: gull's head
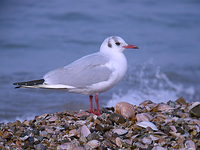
115	44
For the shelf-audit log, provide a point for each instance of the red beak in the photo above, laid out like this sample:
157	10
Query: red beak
131	47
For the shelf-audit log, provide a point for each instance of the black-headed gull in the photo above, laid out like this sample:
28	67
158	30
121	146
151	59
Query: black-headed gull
89	75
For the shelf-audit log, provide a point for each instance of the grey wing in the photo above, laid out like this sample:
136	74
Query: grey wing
85	71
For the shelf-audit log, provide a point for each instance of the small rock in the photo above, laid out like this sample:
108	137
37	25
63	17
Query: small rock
7	135
40	147
28	145
83	139
181	101
7	147
99	127
93	136
39	138
117	118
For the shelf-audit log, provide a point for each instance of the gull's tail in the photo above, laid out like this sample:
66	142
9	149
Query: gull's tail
40	84
29	84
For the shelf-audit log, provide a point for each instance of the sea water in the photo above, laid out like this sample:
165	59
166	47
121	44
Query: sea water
38	36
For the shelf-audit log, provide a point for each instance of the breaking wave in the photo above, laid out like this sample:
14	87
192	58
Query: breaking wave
149	82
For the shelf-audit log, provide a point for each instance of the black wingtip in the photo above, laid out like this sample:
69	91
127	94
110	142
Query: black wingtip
29	83
15	83
17	87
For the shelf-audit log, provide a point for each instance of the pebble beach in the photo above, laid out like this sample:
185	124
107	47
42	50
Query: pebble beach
157	126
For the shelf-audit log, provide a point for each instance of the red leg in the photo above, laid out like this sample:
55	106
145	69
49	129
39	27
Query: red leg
97	103
91	109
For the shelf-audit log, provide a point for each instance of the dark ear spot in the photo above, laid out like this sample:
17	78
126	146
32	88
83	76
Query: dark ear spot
109	45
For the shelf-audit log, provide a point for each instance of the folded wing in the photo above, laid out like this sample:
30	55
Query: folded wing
84	72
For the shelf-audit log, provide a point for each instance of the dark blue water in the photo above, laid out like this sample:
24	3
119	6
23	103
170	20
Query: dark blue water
36	37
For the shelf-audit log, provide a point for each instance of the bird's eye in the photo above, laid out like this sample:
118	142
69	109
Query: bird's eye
117	43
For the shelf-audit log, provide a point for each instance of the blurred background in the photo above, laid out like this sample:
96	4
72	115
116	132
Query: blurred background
38	36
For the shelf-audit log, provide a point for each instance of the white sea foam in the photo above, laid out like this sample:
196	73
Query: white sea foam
136	97
148	82
20	118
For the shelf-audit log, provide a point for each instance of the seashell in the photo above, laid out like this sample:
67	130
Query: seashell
146	140
127	141
120	131
162	141
67	146
59	127
134	136
164	107
118	142
85	131
49	130
173	128
83	139
146	124
190	145
172	104
73	132
154	138
194	109
43	133
182	115
174	119
95	117
158	148
94	143
125	109
43	116
24	138
27	123
197	121
174	134
159	133
78	148
81	114
144	117
160	117
180	139
53	119
144	103
187	119
151	106
81	122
